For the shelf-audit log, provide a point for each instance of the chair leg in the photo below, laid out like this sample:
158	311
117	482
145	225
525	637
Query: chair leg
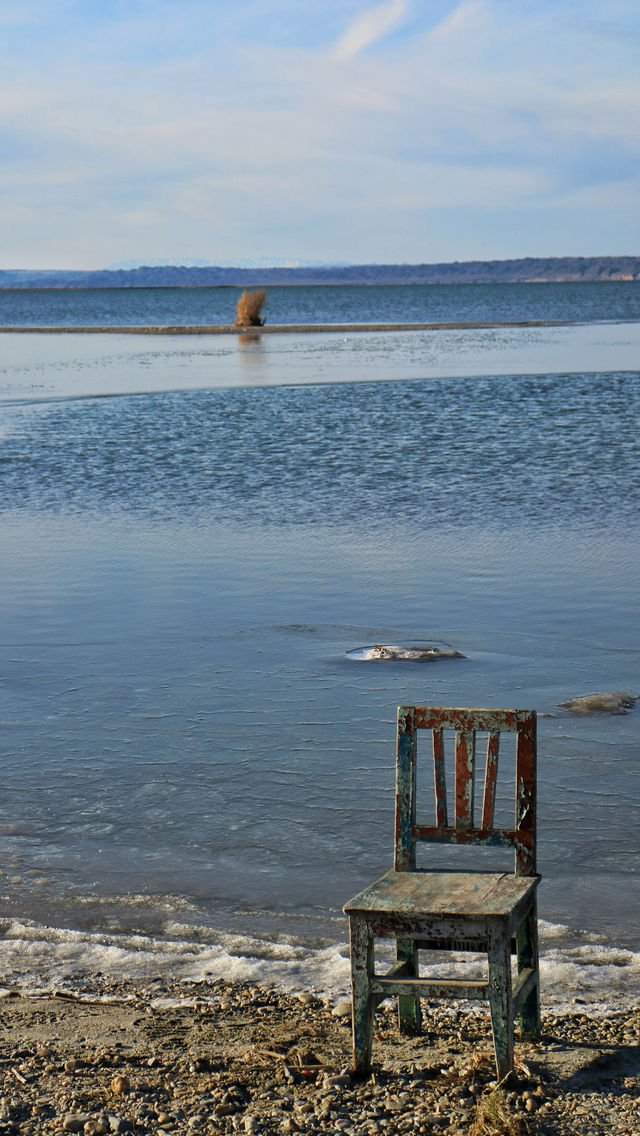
409	1016
527	954
362	1004
499	950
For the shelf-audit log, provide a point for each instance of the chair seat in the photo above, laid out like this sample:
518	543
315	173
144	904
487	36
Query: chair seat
474	895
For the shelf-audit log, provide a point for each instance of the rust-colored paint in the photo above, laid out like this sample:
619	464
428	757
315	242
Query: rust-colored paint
465	750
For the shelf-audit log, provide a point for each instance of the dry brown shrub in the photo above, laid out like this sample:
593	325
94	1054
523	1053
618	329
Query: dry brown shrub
494	1117
248	309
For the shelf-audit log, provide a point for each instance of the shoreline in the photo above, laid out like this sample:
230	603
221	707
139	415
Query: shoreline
213	1058
280	329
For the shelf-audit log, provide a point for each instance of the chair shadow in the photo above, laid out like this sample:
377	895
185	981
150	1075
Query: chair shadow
609	1064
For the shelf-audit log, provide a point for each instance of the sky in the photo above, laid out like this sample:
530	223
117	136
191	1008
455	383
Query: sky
402	131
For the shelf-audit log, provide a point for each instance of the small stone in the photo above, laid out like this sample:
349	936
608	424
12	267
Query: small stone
342	1009
74	1121
120	1085
118	1125
337	1081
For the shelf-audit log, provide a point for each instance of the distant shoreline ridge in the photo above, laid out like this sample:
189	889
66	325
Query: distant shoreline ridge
526	270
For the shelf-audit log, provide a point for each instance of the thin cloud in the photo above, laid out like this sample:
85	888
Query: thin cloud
368	28
468	19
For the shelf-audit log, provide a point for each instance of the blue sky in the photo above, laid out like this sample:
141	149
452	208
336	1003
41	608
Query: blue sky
341	130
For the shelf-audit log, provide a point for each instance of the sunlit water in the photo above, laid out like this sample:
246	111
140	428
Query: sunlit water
196	776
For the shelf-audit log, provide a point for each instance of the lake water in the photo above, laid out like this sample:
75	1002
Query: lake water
195	532
296	304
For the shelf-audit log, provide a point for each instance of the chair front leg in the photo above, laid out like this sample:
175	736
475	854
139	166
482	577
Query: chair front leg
527	954
362	1002
409	1016
499	950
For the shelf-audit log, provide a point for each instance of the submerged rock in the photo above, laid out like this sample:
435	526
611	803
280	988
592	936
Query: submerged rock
614	702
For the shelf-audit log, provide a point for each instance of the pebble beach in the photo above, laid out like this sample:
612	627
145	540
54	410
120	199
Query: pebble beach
219	1058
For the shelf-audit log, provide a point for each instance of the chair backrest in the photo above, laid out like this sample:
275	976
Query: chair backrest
465	826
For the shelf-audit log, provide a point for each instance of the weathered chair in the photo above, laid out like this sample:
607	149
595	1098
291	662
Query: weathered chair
492	912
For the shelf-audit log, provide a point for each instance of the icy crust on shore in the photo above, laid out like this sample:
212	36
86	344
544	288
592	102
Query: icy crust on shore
575	970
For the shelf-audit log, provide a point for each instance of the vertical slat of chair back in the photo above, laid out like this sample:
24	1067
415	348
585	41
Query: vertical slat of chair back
406	771
490	779
465	724
465	770
525	818
439	778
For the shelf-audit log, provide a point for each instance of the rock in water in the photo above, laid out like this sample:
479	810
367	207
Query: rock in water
614	702
392	652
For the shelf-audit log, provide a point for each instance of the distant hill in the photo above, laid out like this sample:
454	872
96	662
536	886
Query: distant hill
525	270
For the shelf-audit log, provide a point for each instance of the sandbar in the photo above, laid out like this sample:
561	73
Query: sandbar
280	329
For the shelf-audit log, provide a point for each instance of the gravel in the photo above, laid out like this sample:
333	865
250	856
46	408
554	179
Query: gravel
199	1060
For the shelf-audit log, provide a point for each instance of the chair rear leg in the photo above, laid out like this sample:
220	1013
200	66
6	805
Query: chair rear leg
527	954
499	950
409	1016
362	1001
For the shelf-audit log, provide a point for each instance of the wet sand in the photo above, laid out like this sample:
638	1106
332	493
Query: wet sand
222	1058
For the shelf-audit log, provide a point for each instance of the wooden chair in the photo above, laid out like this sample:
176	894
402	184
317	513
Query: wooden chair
492	912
